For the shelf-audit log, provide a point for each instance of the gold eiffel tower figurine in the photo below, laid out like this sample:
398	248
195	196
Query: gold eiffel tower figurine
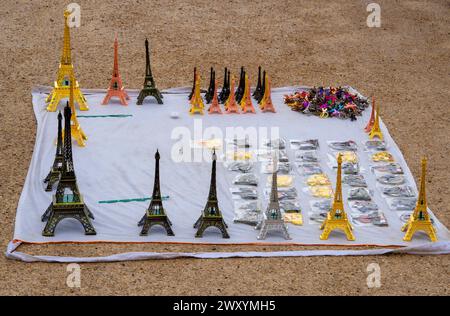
75	128
196	101
420	219
336	217
376	131
65	75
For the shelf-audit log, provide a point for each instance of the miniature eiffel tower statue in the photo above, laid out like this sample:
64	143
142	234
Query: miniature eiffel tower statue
240	89
155	214
337	217
149	83
376	130
193	84
215	106
116	88
65	74
420	219
371	122
55	171
246	102
230	105
196	101
212	82
64	204
225	92
211	215
76	131
257	93
263	90
266	101
272	218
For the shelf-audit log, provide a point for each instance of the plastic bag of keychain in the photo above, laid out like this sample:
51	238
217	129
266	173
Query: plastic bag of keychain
288	193
319	209
247	212
354	180
247	179
385	168
401	203
319	179
277	143
309	144
350	162
396	191
239	166
320	191
359	194
283	180
391	179
373	218
306	156
244	193
348	145
374	145
307	169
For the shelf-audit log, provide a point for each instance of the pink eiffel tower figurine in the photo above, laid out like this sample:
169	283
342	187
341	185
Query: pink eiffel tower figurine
116	88
215	106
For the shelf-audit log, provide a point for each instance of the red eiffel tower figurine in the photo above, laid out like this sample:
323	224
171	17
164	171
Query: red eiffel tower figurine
116	88
231	106
369	125
215	106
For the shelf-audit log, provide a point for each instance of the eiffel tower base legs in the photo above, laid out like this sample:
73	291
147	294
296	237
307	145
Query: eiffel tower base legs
203	223
267	227
412	228
328	228
149	93
147	223
53	217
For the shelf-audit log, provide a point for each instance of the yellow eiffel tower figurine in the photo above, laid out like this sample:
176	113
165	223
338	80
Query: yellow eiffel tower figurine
420	219
376	131
336	217
65	73
75	128
196	101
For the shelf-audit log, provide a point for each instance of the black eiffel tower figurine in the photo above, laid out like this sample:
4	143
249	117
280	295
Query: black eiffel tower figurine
211	215
263	88
149	83
241	87
155	214
257	93
193	84
67	204
212	82
55	171
225	92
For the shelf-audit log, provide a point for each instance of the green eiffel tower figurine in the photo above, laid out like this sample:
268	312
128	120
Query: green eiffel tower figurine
155	214
211	215
68	201
149	83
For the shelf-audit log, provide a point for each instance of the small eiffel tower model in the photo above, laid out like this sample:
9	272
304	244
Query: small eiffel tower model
263	90
212	83
420	219
337	217
257	93
65	75
215	106
266	102
193	84
55	171
149	83
231	105
371	122
241	86
225	92
376	130
116	88
196	101
155	214
65	204
211	215
272	218
246	102
76	131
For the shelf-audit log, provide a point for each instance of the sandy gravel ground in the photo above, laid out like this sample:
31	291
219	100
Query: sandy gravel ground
404	63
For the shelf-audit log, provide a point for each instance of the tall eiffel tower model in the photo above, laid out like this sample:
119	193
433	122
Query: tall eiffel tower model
116	88
76	131
211	215
155	214
55	171
376	130
65	76
257	93
149	83
272	218
420	219
66	205
337	217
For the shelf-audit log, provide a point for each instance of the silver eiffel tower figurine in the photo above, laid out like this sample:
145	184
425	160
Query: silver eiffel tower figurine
272	219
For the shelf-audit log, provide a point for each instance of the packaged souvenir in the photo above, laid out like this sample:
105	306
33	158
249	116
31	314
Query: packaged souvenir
293	218
241	166
306	156
290	206
374	145
391	179
310	144
360	194
375	218
402	204
393	168
404	191
278	143
354	180
307	169
382	156
244	193
282	167
247	212
283	180
349	145
246	179
283	193
318	179
363	206
324	191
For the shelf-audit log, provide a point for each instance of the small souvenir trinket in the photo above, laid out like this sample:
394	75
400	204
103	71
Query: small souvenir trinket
241	166
321	191
343	146
309	168
246	179
293	218
247	212
283	180
398	191
383	156
391	179
360	194
278	143
290	206
375	145
310	144
354	180
348	156
364	206
393	168
318	179
350	168
306	156
402	204
245	193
